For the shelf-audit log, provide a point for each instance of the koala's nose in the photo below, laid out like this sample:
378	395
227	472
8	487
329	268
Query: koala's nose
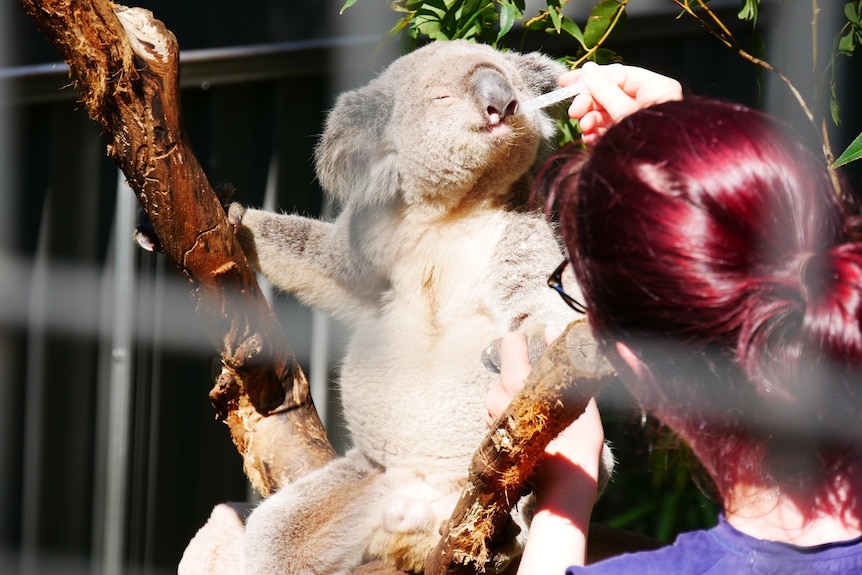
494	94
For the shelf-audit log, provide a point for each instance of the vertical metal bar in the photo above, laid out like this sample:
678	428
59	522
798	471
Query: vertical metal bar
152	538
119	403
34	399
9	190
318	365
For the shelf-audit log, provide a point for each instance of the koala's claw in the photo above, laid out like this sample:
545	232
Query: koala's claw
145	236
224	191
235	211
535	343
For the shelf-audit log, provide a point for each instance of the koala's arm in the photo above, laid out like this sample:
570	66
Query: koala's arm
308	258
528	253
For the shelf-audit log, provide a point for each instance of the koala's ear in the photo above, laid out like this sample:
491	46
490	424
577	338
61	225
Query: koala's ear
539	72
356	162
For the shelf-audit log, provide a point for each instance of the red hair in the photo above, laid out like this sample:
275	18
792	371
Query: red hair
714	246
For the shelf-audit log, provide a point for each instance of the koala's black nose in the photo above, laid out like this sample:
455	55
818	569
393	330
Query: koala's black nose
494	94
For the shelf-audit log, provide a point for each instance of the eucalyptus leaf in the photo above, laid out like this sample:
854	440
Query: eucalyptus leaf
749	10
852	153
347	4
847	44
601	19
607	56
834	105
851	14
508	15
571	28
555	19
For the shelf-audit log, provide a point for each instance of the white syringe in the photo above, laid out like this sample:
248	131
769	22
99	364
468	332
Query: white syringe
553	97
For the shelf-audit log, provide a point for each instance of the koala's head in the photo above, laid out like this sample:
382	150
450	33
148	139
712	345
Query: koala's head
437	125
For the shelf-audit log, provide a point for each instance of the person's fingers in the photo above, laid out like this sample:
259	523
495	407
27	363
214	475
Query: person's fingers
613	92
552	332
570	77
606	92
593	125
581	105
514	362
514	368
650	88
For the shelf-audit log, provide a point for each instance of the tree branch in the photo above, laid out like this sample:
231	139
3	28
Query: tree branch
556	393
125	66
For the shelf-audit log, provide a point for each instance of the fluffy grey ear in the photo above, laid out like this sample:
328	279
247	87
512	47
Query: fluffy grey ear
539	72
354	157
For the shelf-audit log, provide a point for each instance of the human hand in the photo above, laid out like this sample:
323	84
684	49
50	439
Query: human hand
576	450
613	92
565	479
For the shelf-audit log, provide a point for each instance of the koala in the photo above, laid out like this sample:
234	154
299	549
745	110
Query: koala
433	255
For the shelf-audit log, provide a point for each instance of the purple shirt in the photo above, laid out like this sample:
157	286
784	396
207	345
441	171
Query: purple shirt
723	550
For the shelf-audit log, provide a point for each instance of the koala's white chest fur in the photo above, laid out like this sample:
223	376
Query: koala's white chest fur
431	259
424	343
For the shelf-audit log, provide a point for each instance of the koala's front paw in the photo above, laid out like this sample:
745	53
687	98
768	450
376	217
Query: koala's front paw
536	344
235	212
145	236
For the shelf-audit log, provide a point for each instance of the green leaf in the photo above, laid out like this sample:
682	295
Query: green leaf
834	105
399	26
851	14
347	5
607	56
555	18
508	14
847	44
600	20
749	10
571	28
535	24
852	153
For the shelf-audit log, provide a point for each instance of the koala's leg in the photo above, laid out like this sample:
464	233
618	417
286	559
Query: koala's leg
412	514
320	524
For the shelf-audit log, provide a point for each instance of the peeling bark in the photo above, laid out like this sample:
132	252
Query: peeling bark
556	393
125	66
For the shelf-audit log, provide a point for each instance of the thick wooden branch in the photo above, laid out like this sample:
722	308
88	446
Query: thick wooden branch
555	394
125	66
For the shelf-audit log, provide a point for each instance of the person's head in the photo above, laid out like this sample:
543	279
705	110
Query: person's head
712	250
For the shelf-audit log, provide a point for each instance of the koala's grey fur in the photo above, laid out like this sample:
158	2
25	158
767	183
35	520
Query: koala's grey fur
433	256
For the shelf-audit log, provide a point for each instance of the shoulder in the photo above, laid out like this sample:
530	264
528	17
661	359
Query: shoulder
694	552
722	550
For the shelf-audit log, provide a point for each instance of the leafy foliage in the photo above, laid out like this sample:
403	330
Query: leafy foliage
489	21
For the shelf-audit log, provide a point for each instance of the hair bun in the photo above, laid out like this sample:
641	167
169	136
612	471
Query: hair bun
805	272
831	285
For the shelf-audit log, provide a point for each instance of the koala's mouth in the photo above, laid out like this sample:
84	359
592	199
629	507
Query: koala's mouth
499	118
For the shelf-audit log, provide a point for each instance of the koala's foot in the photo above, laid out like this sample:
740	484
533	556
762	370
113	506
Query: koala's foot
412	514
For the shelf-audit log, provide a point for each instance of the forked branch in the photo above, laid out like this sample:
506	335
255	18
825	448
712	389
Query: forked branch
125	66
